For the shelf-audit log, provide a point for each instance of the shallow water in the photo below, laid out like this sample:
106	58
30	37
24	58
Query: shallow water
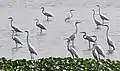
52	43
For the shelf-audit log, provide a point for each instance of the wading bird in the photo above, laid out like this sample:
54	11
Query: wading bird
31	48
45	13
95	54
14	27
95	20
40	26
102	16
71	49
89	38
16	39
71	15
109	40
72	37
97	51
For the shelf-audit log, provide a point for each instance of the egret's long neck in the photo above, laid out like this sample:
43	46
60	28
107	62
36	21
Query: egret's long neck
107	31
43	10
76	29
11	22
27	38
84	36
37	22
71	15
94	15
12	34
99	10
95	39
68	46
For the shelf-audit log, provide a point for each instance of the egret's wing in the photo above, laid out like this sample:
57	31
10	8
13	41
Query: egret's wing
74	52
95	54
41	26
100	50
90	38
32	49
72	37
16	29
104	17
48	14
17	39
110	42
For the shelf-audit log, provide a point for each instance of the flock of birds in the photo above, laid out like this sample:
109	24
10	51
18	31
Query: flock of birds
96	49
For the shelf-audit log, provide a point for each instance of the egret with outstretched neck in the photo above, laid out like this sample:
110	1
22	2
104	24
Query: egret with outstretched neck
89	38
95	20
109	40
14	27
71	15
71	49
16	39
45	13
102	16
40	25
32	50
72	37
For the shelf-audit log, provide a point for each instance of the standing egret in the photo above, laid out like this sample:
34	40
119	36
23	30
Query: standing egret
102	16
31	48
89	38
72	37
14	27
99	50
71	15
71	49
95	54
16	39
95	20
109	40
40	26
45	13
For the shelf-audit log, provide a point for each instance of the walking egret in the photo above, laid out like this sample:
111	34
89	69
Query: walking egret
102	16
46	13
40	25
16	29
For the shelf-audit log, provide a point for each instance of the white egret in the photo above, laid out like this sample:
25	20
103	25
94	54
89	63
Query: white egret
16	29
46	13
71	49
89	38
40	26
95	20
109	40
102	16
96	47
72	37
95	54
31	48
16	39
71	15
